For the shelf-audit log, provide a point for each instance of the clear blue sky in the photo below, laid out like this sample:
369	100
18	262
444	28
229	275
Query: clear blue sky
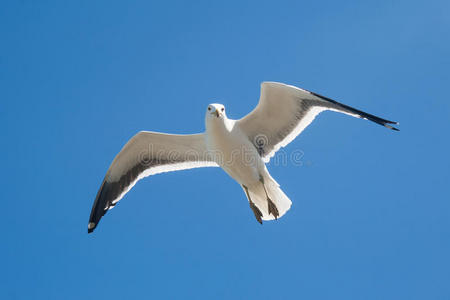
371	211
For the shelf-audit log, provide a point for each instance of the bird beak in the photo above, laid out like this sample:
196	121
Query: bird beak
217	113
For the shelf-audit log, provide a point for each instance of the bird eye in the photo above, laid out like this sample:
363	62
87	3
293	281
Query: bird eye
209	108
223	108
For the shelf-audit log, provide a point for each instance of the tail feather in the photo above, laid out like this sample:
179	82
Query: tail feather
278	197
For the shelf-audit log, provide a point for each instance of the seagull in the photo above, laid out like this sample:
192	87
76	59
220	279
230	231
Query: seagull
240	147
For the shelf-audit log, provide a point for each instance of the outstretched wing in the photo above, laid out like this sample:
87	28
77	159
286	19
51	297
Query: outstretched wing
284	111
147	153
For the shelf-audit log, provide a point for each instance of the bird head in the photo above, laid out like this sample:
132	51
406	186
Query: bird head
215	111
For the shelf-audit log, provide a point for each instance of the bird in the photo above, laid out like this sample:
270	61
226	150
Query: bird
240	147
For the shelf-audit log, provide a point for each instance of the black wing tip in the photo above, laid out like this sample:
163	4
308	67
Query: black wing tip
91	227
361	114
381	121
391	122
391	127
98	208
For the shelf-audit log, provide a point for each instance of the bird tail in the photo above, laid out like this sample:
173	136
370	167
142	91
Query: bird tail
276	195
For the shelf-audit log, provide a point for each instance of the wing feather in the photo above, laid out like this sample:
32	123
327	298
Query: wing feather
284	111
147	153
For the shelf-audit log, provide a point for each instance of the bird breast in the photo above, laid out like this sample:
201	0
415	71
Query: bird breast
232	150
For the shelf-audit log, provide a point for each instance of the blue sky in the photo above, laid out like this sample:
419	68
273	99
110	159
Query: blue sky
371	212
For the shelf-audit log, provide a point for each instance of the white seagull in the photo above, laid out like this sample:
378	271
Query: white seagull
240	147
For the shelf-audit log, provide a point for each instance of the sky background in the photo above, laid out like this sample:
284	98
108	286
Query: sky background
371	212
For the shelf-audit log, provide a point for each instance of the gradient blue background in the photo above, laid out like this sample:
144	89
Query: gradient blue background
371	212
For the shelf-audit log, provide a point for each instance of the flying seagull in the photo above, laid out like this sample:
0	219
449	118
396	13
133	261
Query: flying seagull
240	147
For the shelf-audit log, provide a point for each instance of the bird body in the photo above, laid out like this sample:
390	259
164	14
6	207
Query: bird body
231	149
240	147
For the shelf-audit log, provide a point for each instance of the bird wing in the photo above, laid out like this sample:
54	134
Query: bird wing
147	153
284	111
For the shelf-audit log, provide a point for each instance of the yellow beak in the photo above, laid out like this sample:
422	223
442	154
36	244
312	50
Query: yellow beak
217	113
